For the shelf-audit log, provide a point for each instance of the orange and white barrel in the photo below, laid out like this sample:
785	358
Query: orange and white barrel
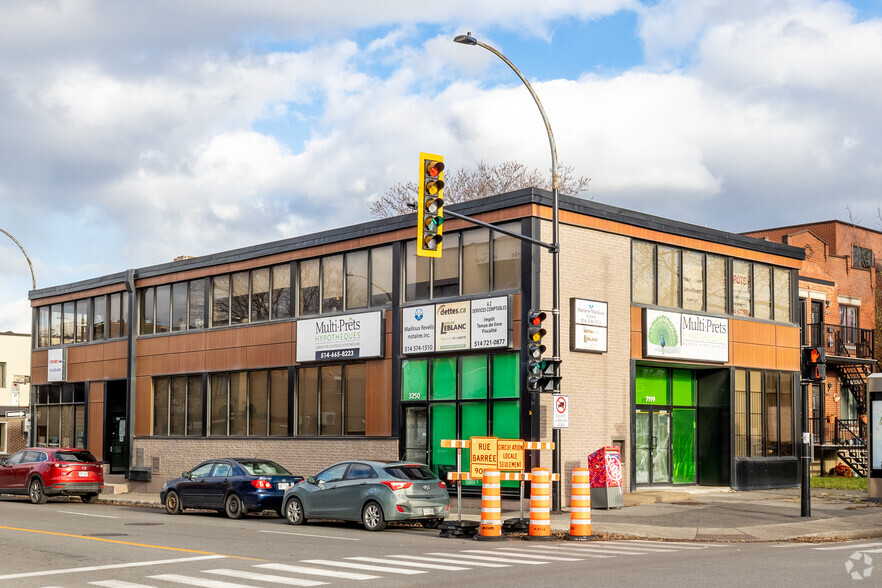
491	506
540	503
580	505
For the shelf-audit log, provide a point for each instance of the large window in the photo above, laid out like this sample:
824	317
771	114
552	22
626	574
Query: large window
763	413
85	320
331	401
177	406
61	415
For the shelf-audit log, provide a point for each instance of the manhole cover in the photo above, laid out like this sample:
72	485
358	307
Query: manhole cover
143	524
107	535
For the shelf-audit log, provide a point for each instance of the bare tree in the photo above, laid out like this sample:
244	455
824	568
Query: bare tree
481	181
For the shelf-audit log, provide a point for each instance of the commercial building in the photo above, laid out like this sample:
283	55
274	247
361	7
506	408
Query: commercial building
681	346
839	298
15	377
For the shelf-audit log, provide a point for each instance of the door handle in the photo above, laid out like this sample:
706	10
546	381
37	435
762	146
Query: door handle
654	441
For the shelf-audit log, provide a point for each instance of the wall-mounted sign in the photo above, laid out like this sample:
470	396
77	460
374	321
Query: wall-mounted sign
341	337
418	329
675	335
57	365
484	323
452	326
589	325
490	323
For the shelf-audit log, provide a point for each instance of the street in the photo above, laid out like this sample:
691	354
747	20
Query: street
74	544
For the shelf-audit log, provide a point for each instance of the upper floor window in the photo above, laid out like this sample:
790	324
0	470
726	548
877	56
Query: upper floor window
94	319
861	257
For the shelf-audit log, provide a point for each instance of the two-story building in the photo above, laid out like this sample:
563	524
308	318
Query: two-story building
15	390
681	346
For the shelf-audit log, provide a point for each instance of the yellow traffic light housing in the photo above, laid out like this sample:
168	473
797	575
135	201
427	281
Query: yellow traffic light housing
430	205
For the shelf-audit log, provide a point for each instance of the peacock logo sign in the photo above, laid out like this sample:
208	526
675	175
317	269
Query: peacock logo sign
675	335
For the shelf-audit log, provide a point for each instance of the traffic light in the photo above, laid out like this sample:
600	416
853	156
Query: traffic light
814	368
535	363
430	205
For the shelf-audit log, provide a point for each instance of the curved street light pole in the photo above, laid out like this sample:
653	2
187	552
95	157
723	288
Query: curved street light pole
30	265
468	39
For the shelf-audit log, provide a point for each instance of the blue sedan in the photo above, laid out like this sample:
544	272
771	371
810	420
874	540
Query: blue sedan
233	486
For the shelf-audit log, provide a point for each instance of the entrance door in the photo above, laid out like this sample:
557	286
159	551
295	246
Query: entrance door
116	446
416	447
653	446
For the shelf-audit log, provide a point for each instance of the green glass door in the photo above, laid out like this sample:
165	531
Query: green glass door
653	446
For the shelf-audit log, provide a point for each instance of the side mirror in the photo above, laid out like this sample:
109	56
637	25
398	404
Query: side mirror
186	475
311	480
3	461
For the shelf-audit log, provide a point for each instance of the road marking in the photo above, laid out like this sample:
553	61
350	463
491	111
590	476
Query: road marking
107	567
308	535
452	560
245	575
360	566
521	552
84	514
851	547
428	566
565	550
118	584
127	543
493	559
626	549
665	544
317	572
191	581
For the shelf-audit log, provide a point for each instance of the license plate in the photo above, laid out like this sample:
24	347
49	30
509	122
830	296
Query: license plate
84	474
428	511
283	485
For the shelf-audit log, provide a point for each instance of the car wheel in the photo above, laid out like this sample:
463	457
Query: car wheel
430	523
235	509
90	498
173	503
35	492
372	517
294	512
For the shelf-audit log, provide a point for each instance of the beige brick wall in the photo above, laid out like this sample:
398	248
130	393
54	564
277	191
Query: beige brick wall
303	457
594	266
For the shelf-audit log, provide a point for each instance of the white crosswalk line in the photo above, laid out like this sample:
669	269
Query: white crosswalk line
851	547
428	566
520	552
678	544
193	581
491	559
282	580
566	551
610	551
452	560
316	571
656	545
633	549
361	566
118	584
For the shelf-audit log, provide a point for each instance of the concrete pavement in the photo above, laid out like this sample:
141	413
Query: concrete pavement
692	514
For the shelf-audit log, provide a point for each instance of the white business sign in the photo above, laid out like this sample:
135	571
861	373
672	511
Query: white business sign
452	326
589	312
56	370
586	338
561	411
490	323
676	335
341	337
589	325
418	329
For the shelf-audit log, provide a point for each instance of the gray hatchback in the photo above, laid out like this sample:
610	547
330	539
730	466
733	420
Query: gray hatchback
371	492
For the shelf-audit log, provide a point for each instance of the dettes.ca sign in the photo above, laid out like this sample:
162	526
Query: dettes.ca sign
675	335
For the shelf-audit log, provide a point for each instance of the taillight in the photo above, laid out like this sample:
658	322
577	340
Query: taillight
262	484
397	485
399	507
442	485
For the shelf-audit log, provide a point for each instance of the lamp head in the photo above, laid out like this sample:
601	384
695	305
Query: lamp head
466	39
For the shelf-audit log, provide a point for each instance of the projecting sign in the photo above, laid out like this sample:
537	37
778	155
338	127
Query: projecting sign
418	329
452	322
560	412
56	370
674	335
340	337
490	323
589	325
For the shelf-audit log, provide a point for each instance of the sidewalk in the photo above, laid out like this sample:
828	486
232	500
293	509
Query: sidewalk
691	514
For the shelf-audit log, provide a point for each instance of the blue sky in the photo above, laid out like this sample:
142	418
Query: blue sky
135	132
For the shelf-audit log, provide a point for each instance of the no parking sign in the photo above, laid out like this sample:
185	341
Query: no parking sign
560	411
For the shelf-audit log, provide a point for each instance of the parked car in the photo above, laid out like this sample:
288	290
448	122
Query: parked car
41	472
233	486
371	492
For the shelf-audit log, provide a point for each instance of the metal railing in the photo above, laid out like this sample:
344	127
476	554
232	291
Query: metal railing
841	340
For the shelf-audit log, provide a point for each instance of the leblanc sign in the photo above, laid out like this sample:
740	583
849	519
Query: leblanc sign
674	335
342	337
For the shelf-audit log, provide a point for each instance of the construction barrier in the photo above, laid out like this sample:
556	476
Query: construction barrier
580	505
491	507
540	504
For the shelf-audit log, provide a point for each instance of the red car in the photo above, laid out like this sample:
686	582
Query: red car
40	472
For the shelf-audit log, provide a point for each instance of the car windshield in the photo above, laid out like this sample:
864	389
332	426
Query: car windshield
75	456
264	468
410	472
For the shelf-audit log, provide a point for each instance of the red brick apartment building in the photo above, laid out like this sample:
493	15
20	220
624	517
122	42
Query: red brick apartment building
839	301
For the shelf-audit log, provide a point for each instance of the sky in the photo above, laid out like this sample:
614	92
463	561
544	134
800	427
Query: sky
134	132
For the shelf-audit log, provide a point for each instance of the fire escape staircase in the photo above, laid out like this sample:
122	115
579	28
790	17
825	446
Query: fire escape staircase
852	445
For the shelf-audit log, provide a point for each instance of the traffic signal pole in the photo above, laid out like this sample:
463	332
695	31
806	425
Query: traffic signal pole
805	502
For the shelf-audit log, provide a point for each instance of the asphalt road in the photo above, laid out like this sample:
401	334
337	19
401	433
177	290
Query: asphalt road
73	544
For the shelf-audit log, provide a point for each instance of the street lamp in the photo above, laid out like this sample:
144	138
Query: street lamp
30	265
468	39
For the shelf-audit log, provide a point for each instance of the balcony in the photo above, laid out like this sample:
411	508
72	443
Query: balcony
841	341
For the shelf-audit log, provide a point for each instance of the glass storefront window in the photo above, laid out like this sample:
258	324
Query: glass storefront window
177	405
444	378
354	399
651	385
218	404
258	403
771	410
414	381
755	380
740	413
474	376
693	280
506	377
194	406
331	401
307	401
683	388
160	406
278	409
